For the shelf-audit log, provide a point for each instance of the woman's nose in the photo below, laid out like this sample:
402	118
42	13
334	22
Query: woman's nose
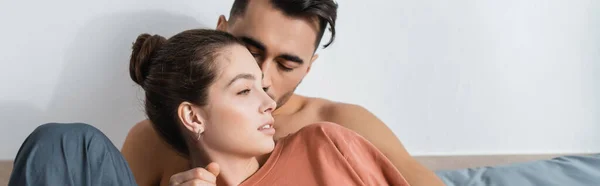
269	105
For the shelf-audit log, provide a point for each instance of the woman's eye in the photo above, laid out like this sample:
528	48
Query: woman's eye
244	92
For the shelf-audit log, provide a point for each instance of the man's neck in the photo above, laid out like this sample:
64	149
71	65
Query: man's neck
290	106
233	169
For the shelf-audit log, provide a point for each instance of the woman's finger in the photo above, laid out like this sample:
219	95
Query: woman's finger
213	168
197	183
192	175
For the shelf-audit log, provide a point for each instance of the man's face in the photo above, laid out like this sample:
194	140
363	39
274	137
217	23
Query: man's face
282	45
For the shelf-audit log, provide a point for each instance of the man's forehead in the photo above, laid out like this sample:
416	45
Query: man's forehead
263	19
277	36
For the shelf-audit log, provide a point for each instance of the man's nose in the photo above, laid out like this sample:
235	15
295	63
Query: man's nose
266	79
266	83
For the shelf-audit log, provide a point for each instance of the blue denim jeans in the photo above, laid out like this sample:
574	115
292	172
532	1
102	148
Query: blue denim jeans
69	154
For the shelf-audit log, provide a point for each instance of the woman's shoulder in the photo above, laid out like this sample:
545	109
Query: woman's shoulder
325	126
323	131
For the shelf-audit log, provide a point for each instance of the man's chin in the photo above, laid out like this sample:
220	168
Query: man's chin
279	104
283	100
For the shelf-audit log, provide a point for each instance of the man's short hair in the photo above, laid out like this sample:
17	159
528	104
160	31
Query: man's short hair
324	10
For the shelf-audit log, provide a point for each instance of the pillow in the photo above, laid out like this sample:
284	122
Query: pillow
560	171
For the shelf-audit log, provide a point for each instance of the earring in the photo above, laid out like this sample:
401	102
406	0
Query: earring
199	134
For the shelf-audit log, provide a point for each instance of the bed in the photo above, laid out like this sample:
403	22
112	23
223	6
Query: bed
517	170
493	170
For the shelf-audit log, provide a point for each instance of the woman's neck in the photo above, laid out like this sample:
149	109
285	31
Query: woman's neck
233	169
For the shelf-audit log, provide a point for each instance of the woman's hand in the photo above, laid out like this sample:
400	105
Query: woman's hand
197	176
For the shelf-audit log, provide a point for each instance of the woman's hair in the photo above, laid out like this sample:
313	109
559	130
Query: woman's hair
173	71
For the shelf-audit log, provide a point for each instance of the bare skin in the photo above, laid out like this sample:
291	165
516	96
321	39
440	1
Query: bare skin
273	37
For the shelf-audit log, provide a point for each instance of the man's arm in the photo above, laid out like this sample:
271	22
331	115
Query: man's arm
142	150
363	122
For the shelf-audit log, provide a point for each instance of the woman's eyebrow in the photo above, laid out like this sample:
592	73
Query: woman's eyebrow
241	76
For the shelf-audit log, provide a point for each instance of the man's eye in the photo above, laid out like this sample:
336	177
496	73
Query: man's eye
244	92
284	68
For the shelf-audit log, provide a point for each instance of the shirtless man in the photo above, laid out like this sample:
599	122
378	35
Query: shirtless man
283	36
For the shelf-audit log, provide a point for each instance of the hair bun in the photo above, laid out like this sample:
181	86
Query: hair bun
144	47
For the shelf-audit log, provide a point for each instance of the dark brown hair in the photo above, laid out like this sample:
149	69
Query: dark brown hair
324	10
173	71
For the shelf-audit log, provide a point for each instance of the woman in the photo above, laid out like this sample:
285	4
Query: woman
203	94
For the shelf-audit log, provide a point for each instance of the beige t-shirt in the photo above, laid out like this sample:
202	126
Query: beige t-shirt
326	154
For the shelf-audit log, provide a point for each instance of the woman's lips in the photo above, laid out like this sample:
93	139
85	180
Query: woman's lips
267	129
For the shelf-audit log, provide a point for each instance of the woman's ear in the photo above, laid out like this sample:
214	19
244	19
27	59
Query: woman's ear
191	118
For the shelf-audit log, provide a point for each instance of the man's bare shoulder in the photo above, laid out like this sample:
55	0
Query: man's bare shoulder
333	111
142	128
345	114
330	111
143	133
146	152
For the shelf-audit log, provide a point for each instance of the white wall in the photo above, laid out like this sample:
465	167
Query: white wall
458	77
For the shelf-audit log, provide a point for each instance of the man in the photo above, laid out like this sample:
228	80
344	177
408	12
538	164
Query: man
283	36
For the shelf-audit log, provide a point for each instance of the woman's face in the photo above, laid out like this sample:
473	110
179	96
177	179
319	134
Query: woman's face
238	114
